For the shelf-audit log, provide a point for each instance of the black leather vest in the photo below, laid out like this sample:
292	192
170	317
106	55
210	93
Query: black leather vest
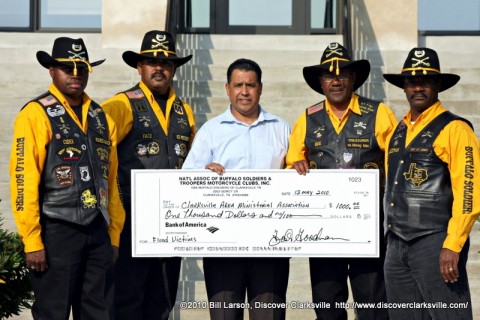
418	199
75	177
147	146
354	147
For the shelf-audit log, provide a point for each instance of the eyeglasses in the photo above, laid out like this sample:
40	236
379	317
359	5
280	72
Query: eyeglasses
341	77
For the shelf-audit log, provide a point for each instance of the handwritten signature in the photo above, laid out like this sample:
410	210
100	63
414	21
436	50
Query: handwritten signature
301	236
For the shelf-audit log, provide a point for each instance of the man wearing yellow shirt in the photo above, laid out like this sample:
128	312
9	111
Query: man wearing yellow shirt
322	139
431	198
65	199
155	131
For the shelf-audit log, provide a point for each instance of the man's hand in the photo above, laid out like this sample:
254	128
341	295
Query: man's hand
215	167
36	260
302	167
449	265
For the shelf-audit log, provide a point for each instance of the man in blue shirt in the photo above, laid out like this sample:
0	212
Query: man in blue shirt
245	136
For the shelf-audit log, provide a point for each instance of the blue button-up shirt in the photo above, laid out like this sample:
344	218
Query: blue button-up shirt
237	145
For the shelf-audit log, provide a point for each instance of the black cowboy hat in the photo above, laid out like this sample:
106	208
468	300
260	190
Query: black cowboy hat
67	52
334	58
158	45
422	62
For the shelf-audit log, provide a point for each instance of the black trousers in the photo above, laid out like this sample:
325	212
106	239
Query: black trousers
145	288
329	284
262	279
79	259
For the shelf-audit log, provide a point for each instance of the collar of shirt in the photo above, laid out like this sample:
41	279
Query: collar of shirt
227	116
426	116
163	118
353	106
82	123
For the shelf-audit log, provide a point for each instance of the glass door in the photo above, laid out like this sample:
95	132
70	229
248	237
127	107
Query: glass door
260	16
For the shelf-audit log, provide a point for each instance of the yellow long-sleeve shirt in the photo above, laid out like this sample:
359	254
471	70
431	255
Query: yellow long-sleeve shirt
385	123
450	146
31	137
120	109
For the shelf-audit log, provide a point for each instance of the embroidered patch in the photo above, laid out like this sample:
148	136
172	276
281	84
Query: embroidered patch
153	148
69	154
180	150
137	94
48	100
88	199
103	141
103	198
104	169
370	165
141	150
103	154
56	111
182	137
64	175
177	107
315	108
347	157
85	173
416	175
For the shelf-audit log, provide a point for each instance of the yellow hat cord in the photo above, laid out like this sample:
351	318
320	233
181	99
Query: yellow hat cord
155	52
337	71
424	70
74	61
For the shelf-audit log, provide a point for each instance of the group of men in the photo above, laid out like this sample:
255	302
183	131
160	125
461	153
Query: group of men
70	185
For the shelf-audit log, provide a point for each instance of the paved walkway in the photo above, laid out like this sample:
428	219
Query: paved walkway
192	285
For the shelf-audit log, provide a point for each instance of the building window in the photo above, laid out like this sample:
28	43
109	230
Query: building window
15	14
70	14
446	16
55	15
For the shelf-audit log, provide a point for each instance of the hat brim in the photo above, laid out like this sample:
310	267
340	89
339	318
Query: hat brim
448	80
48	61
361	68
132	58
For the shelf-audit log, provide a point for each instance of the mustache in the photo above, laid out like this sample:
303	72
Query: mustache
158	73
419	95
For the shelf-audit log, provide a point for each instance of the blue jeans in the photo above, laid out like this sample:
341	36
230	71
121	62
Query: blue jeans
412	275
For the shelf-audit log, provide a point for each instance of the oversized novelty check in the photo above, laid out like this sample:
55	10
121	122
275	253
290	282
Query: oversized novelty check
249	213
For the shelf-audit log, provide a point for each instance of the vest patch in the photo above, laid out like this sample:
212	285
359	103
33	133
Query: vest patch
103	141
182	137
89	200
103	154
416	175
64	175
141	150
48	100
104	168
85	173
137	94
177	107
69	154
315	108
56	111
153	148
370	165
181	149
140	106
358	143
103	198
